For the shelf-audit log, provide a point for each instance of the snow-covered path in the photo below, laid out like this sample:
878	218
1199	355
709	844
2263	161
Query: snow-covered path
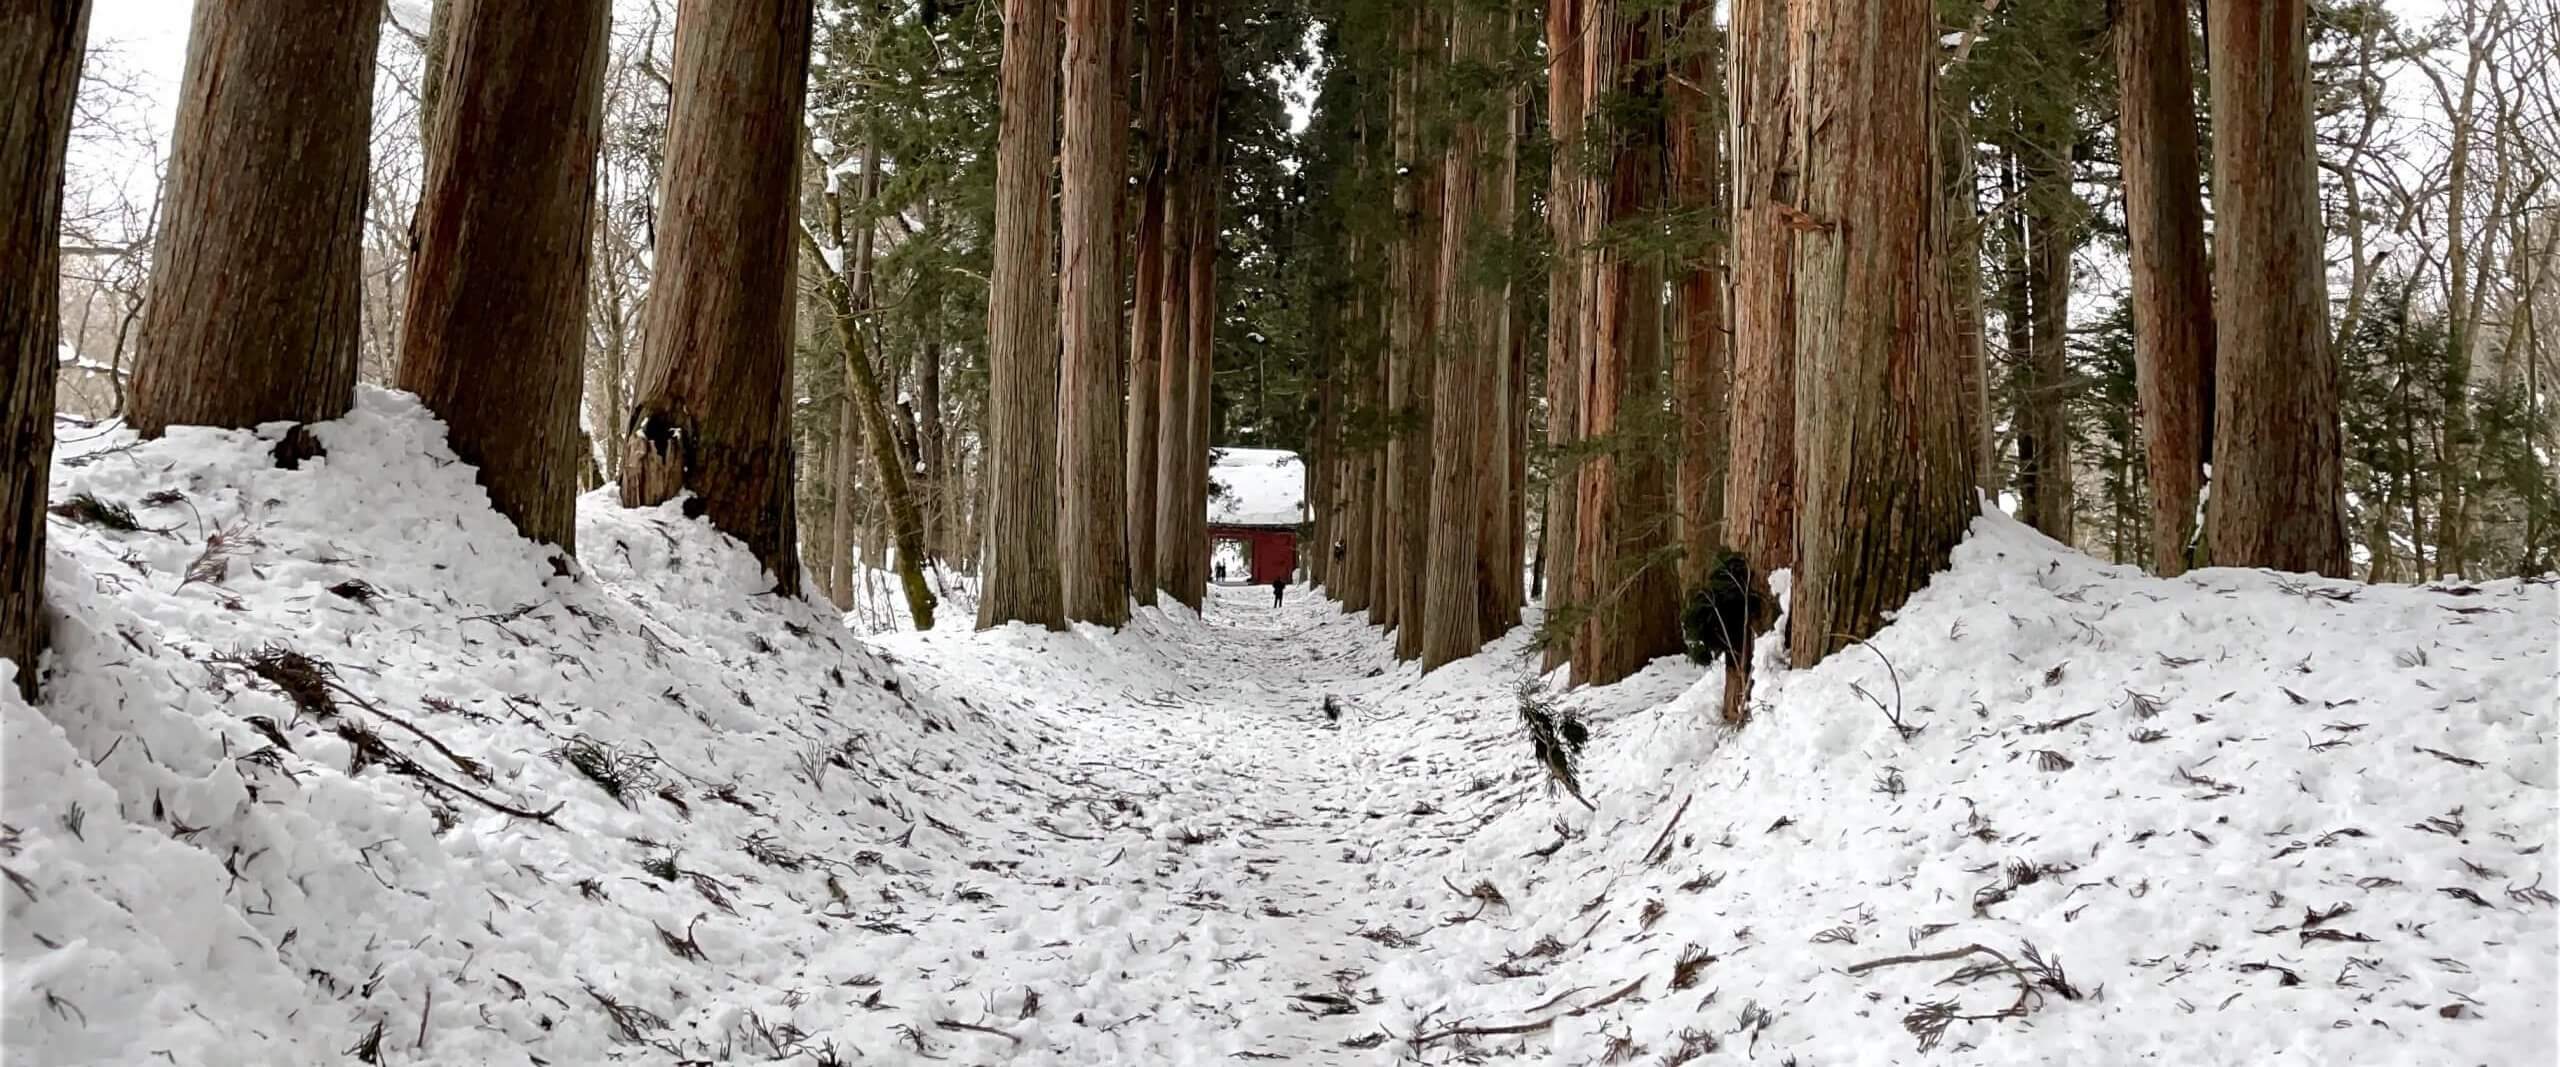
1253	871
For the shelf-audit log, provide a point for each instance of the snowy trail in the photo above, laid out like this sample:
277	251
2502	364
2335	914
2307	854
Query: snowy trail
671	818
1259	870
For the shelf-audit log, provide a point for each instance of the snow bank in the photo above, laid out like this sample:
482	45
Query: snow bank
2240	818
214	866
2236	818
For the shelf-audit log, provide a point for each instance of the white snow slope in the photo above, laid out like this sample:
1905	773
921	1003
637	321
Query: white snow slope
2241	818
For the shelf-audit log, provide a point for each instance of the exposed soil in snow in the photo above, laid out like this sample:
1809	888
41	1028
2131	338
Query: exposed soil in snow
328	767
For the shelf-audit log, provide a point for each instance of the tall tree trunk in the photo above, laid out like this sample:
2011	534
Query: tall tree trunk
940	479
1470	363
252	314
493	336
1183	184
1506	514
2172	293
2275	500
1759	498
41	43
837	582
712	413
1699	371
849	301
1020	583
1201	307
1962	271
1883	486
1408	345
1146	331
1564	320
2044	409
1359	482
1093	508
1630	588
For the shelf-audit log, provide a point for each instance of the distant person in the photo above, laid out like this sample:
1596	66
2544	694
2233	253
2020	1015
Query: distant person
1279	586
1222	574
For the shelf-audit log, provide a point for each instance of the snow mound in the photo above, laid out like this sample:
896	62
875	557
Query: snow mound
330	762
1256	487
2233	818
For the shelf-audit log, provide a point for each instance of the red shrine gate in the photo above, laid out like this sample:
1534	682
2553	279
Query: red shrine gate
1271	551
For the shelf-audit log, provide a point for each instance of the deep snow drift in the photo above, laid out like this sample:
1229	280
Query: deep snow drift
328	761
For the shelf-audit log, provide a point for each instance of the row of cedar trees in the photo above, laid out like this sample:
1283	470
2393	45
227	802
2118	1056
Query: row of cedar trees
1808	391
252	312
1097	422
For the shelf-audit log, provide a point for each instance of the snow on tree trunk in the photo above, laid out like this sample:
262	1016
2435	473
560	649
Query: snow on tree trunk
40	60
1093	511
2172	293
1882	473
2275	499
252	310
493	337
1020	583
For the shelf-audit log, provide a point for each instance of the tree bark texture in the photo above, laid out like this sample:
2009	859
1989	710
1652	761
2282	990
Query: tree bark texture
1146	332
1466	382
1021	582
2172	291
41	45
712	412
1093	506
2276	493
2044	445
1189	179
1630	586
493	337
1700	371
1883	489
252	312
1760	472
849	302
1201	306
1566	275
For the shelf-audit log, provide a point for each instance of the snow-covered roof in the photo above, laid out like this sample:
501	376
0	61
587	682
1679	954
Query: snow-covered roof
1256	487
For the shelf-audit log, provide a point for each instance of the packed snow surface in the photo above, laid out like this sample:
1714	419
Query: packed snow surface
1257	487
331	765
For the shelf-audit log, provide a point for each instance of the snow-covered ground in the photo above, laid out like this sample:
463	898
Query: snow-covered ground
327	764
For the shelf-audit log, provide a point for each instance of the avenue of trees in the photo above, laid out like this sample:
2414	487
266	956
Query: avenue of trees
1615	306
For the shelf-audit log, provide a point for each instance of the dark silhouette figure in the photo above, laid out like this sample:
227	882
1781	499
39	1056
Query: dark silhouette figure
1278	586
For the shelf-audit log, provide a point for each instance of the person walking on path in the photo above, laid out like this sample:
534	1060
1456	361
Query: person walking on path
1278	586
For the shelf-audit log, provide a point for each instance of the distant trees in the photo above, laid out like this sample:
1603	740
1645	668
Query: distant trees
493	336
40	48
710	414
249	320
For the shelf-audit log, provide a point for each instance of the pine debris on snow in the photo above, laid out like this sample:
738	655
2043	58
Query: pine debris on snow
342	769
